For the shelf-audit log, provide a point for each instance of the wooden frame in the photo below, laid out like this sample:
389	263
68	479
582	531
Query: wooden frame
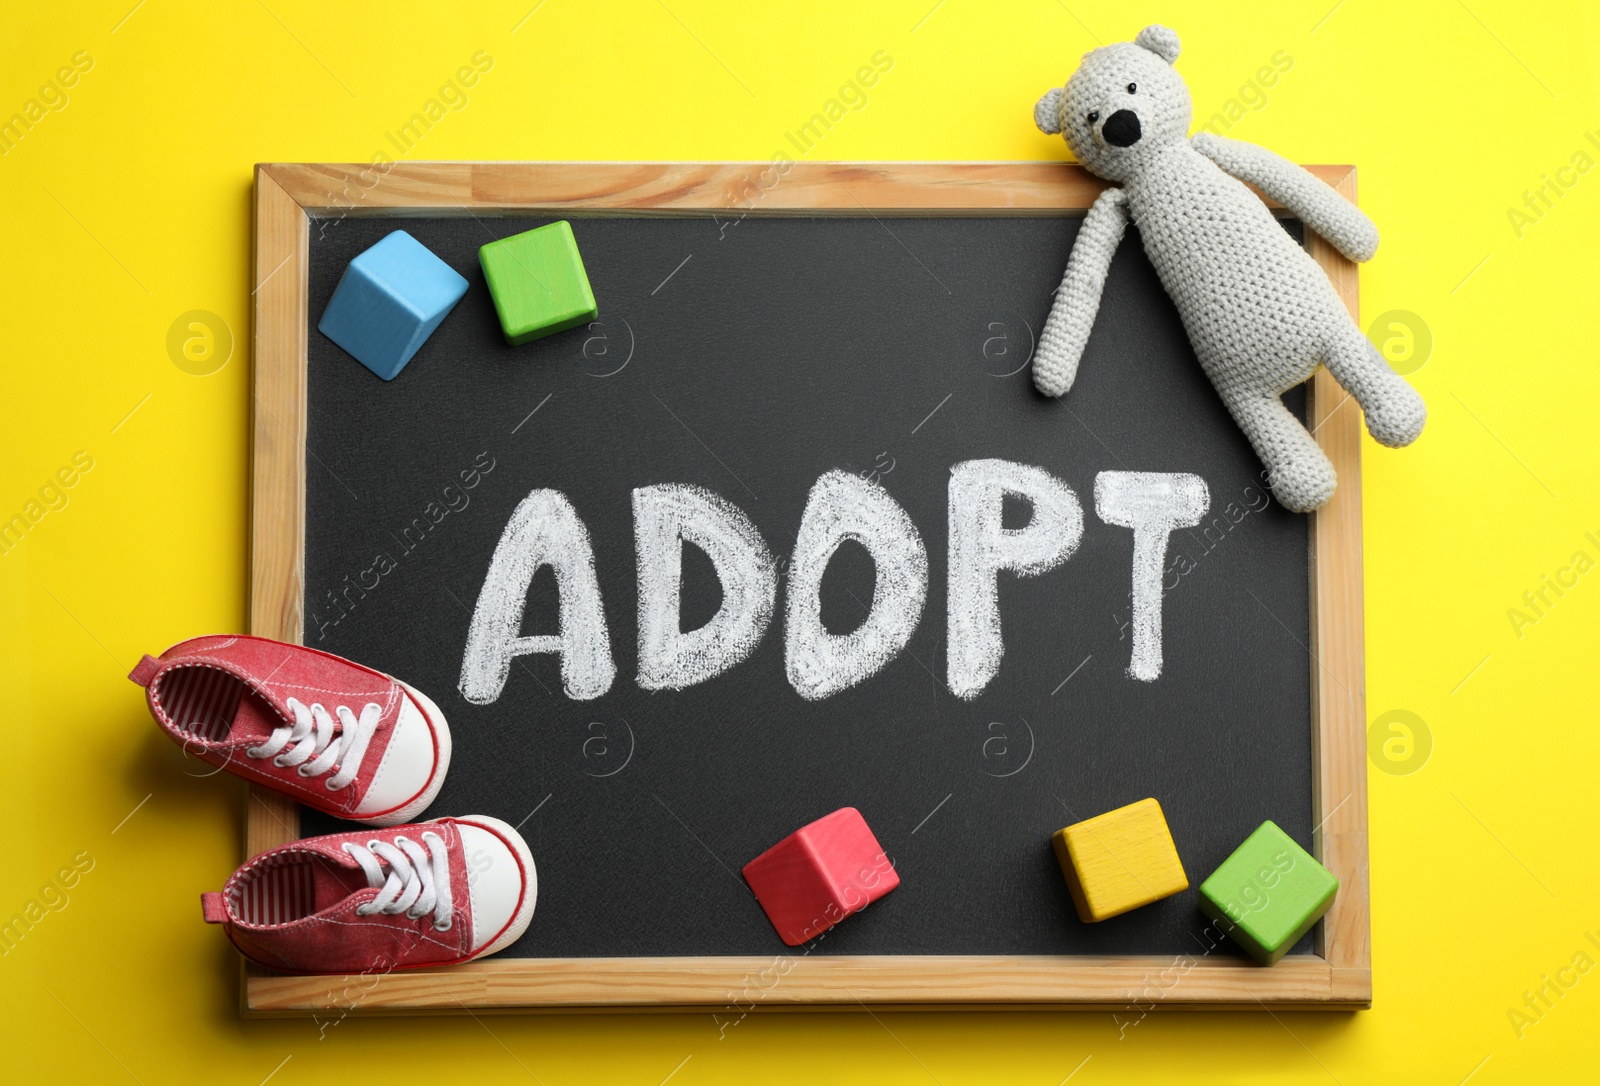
1337	976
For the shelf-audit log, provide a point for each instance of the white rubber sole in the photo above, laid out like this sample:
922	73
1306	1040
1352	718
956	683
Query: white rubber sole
425	800
524	914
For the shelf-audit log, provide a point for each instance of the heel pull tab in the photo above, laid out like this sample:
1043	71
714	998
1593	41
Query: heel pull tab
145	670
211	905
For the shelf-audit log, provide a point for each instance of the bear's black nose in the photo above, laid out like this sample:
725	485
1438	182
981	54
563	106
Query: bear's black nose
1122	128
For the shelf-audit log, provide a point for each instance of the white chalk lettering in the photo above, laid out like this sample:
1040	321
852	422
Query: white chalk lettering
1152	504
664	518
543	531
844	506
980	547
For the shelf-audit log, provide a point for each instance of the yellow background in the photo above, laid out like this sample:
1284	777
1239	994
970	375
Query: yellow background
130	206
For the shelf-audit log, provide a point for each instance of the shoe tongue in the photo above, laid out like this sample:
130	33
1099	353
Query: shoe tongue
255	720
331	883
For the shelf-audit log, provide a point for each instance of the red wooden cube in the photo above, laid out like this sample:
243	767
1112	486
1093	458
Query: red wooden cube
820	874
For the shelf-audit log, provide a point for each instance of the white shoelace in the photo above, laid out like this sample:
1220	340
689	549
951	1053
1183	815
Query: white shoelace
417	882
314	733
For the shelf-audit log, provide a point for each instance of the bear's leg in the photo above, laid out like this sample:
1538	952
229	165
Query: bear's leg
1395	412
1298	472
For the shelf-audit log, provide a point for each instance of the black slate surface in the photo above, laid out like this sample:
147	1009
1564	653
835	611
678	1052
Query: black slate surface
749	359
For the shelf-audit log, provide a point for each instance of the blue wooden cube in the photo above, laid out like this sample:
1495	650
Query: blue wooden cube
389	301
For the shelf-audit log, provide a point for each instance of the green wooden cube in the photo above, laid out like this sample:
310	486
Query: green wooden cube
1268	893
538	283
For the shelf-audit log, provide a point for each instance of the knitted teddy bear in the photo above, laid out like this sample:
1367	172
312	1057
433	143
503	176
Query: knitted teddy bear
1259	311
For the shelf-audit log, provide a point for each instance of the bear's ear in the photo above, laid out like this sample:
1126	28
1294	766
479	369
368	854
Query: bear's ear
1047	112
1160	41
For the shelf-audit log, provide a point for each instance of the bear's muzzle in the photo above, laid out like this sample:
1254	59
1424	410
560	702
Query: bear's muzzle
1122	128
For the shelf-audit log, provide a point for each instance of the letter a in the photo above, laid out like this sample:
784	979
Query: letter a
543	531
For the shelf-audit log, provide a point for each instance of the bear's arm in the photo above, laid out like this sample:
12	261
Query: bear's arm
1077	299
1322	209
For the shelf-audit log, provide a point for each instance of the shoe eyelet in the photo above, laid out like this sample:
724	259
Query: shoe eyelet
446	926
279	762
304	771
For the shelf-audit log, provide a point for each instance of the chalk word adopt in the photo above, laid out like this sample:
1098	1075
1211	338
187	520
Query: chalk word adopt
545	530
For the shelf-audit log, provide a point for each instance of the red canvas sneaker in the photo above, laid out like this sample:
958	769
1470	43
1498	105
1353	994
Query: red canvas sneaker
339	737
433	893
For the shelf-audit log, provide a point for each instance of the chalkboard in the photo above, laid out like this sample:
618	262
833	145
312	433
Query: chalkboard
748	355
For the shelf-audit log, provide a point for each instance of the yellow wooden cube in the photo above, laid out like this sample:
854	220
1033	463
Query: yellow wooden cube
1119	861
